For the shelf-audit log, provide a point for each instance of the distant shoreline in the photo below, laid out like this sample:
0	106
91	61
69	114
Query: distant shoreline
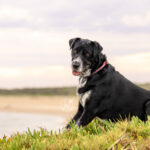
49	91
52	91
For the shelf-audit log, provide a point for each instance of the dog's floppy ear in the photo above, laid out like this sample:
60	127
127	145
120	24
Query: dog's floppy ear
73	41
97	47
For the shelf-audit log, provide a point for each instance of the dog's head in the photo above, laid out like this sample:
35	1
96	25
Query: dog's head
86	56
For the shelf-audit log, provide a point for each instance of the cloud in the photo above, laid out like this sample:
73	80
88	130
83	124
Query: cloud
137	20
36	77
11	16
13	13
72	15
34	34
22	47
135	67
134	62
9	72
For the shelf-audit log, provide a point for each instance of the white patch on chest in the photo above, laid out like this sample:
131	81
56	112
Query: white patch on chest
85	96
82	82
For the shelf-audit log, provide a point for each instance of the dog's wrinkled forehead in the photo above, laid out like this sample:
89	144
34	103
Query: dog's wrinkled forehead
79	42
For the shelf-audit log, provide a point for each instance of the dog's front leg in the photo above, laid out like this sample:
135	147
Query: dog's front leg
76	116
86	117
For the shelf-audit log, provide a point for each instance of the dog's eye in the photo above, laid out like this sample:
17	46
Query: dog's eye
74	52
87	54
89	63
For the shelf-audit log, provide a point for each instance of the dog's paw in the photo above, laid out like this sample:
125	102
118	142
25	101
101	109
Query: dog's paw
67	127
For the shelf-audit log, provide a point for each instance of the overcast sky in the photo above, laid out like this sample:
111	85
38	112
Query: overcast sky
34	35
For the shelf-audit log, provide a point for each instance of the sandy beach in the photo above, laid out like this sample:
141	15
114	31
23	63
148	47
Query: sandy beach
18	113
56	105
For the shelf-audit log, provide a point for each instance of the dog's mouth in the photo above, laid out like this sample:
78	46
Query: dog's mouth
76	73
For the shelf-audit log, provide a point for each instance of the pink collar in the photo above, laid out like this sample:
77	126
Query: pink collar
100	68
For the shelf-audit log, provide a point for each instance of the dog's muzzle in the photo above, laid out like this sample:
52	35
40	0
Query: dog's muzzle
75	68
75	65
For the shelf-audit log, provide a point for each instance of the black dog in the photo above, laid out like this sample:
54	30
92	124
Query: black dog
103	92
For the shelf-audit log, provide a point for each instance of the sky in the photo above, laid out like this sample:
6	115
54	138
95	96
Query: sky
34	35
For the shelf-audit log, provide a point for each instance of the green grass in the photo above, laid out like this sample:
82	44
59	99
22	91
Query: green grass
98	135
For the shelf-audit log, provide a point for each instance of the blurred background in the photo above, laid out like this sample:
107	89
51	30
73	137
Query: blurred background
35	73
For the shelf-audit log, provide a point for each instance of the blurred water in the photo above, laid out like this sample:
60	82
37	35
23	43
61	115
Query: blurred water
11	122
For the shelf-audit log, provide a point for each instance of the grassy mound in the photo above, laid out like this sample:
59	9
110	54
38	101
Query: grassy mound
98	135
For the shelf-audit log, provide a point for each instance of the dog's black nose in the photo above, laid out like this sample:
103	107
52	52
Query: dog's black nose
75	65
